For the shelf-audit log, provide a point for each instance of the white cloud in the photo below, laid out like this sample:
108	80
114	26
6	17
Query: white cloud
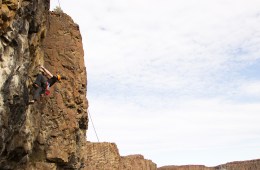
147	49
251	88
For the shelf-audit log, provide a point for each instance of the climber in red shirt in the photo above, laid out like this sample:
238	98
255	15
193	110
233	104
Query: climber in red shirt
43	82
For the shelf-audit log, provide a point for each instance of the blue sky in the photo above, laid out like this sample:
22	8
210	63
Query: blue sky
177	81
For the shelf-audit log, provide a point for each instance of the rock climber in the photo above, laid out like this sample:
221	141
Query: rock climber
43	82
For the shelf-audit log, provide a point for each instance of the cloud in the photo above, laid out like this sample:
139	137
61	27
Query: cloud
251	88
211	125
182	48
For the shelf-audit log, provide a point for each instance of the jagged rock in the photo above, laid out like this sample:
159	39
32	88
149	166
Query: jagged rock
101	156
136	162
7	14
17	123
12	4
105	155
50	133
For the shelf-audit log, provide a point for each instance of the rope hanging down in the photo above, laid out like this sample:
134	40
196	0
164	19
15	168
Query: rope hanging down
59	3
93	124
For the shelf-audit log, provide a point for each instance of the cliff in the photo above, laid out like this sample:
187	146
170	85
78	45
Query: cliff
64	54
22	29
237	165
51	133
106	156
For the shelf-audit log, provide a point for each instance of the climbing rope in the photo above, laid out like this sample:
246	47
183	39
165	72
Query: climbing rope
93	124
59	3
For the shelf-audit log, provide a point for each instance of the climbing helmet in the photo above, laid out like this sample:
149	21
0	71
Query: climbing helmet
58	77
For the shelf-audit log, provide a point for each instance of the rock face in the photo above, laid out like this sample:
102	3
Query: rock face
136	162
238	165
63	131
51	133
23	27
101	156
106	156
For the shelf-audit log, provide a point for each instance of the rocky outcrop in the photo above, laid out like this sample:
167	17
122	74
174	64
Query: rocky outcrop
62	133
105	155
238	165
23	27
51	133
101	156
136	162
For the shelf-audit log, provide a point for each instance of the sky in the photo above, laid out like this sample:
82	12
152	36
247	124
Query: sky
177	81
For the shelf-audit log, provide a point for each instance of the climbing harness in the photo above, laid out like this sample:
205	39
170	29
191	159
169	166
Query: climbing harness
47	91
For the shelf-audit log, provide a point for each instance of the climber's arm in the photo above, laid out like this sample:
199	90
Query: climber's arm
47	71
